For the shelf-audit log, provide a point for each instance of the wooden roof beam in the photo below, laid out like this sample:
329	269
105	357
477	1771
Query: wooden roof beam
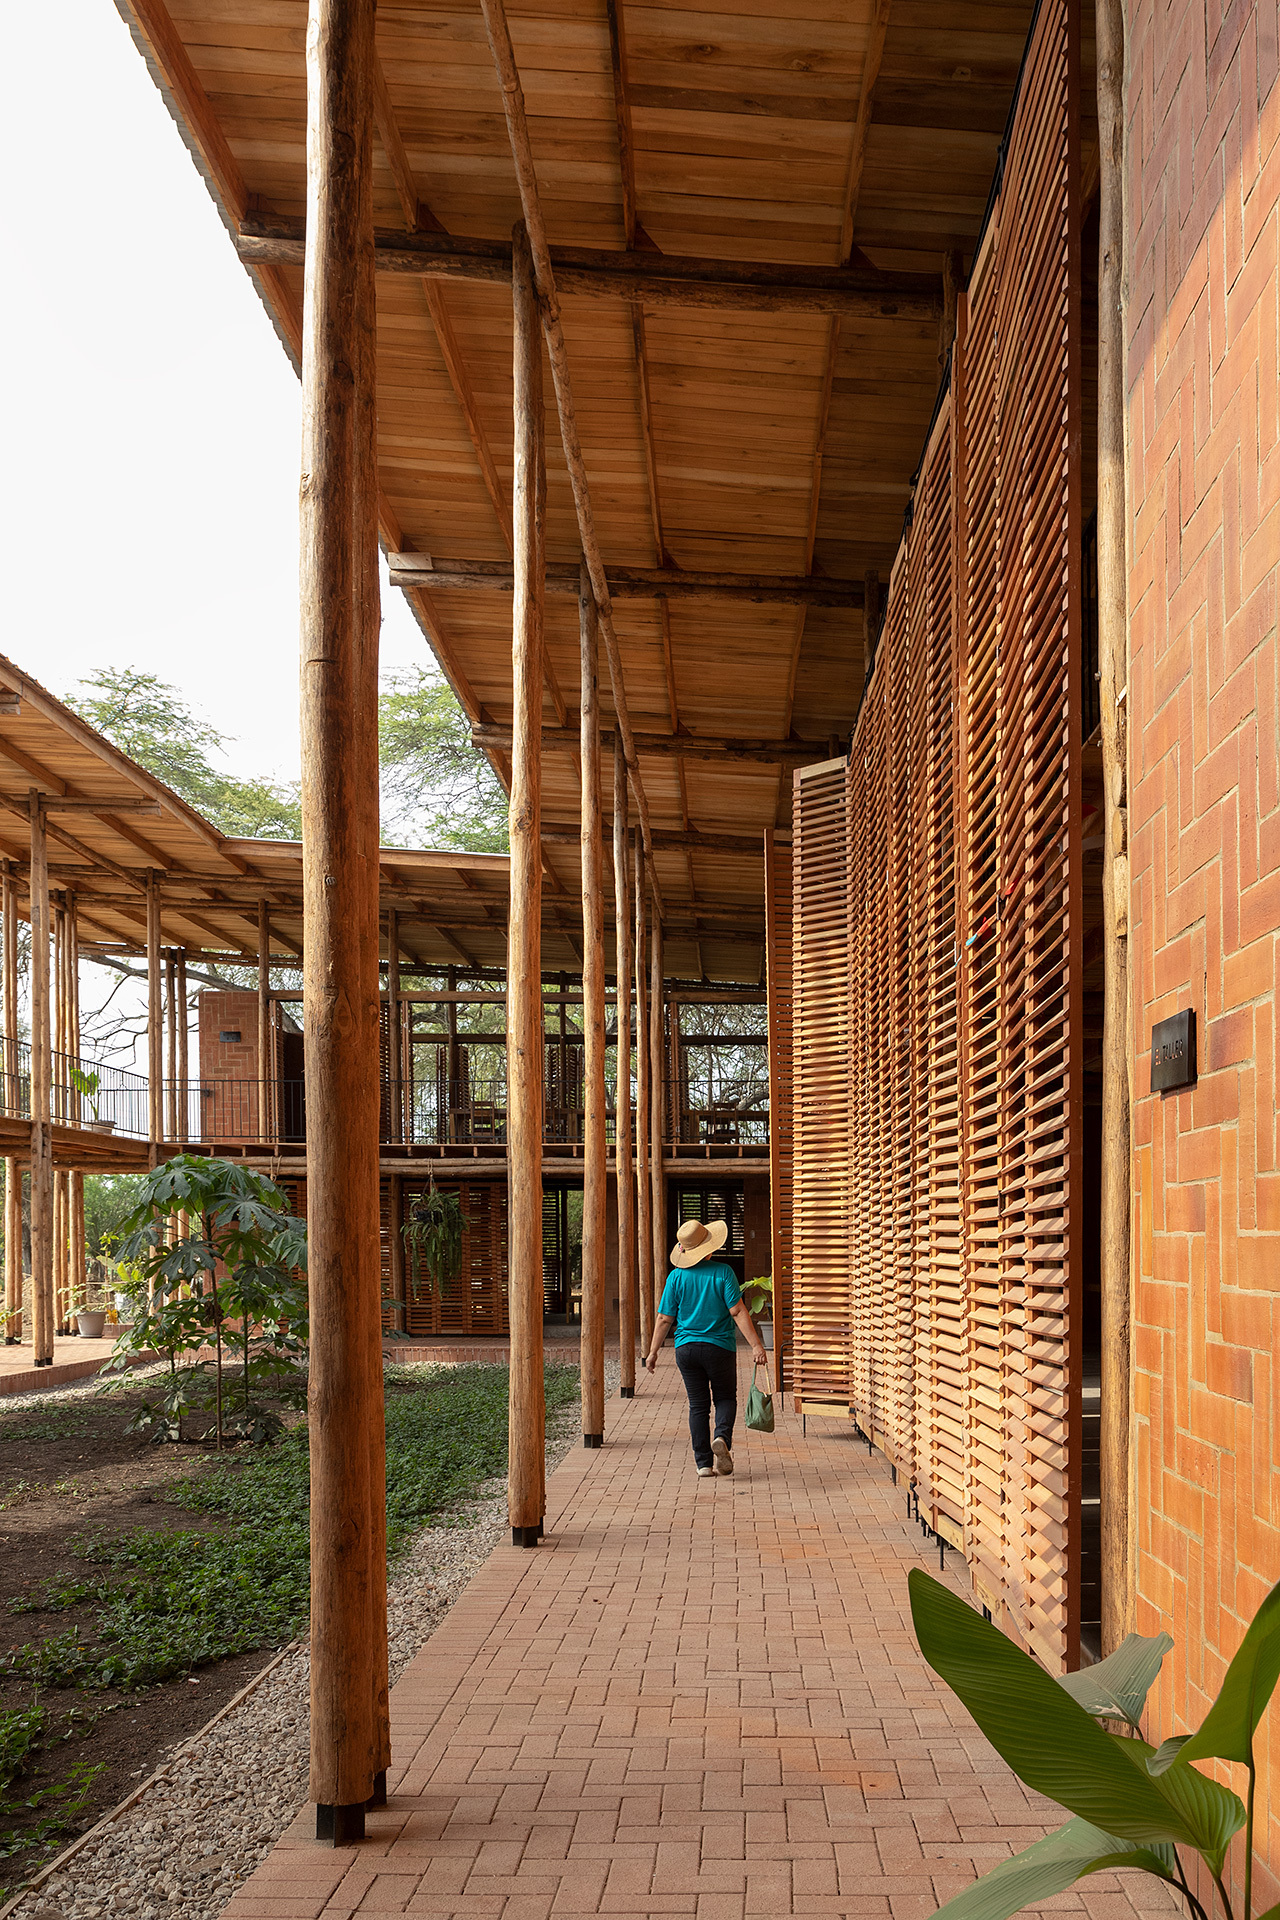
658	280
686	746
630	583
690	839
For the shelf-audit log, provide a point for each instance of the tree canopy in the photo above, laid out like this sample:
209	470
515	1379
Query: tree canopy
437	790
154	725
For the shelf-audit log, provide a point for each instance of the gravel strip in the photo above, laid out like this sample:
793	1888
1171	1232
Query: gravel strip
80	1389
199	1831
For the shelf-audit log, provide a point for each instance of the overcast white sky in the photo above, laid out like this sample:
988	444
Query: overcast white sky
148	491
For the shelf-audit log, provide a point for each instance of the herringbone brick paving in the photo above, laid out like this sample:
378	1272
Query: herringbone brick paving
697	1697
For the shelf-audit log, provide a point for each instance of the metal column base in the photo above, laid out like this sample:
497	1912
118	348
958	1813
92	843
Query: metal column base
526	1536
340	1826
626	1393
378	1798
593	1439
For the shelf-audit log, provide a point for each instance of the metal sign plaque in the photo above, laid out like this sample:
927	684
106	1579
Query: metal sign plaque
1173	1052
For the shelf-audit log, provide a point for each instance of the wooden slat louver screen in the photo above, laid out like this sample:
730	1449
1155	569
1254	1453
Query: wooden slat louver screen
1021	908
862	1247
984	1045
938	1215
875	1357
901	1038
928	724
821	1327
777	923
1039	878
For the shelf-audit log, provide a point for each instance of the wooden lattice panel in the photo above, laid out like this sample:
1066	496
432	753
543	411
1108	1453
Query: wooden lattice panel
821	1301
778	962
476	1302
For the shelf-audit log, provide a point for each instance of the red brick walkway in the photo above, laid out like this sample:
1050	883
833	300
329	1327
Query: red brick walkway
698	1697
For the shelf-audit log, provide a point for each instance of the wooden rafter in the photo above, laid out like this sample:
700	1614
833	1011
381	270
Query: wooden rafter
862	125
852	188
496	27
418	215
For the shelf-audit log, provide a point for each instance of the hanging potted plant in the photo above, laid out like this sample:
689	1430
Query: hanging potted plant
87	1085
433	1234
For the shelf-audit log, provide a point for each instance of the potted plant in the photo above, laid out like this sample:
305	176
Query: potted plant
89	1320
87	1085
758	1297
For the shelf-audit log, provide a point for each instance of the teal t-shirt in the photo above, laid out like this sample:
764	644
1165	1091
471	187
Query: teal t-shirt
699	1300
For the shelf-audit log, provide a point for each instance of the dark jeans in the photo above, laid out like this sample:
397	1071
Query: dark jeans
709	1372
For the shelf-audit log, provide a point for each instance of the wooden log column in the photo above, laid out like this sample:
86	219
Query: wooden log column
395	1046
184	1052
1113	670
61	1253
75	1183
41	1096
155	1022
265	1063
395	1252
12	1166
638	1297
625	1173
171	1042
524	926
657	1109
350	1745
64	1104
594	1139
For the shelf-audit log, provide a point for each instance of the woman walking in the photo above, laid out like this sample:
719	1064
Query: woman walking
701	1301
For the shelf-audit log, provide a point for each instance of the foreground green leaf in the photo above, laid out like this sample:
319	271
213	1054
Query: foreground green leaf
1051	1866
1049	1740
1117	1687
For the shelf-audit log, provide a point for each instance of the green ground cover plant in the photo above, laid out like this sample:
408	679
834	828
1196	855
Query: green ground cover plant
1135	1806
167	1600
23	1732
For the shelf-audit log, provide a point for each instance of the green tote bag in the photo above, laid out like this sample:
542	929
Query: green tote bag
759	1405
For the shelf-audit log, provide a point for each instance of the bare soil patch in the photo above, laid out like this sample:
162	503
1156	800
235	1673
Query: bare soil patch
69	1470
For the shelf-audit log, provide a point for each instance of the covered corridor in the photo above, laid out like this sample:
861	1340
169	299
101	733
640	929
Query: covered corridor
696	1698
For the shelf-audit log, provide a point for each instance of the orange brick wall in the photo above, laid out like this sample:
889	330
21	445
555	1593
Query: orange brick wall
231	1114
1204	821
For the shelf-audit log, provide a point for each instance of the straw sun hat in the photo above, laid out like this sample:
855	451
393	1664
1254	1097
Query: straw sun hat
694	1241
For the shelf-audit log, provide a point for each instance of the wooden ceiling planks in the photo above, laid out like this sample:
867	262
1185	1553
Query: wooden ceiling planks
732	133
